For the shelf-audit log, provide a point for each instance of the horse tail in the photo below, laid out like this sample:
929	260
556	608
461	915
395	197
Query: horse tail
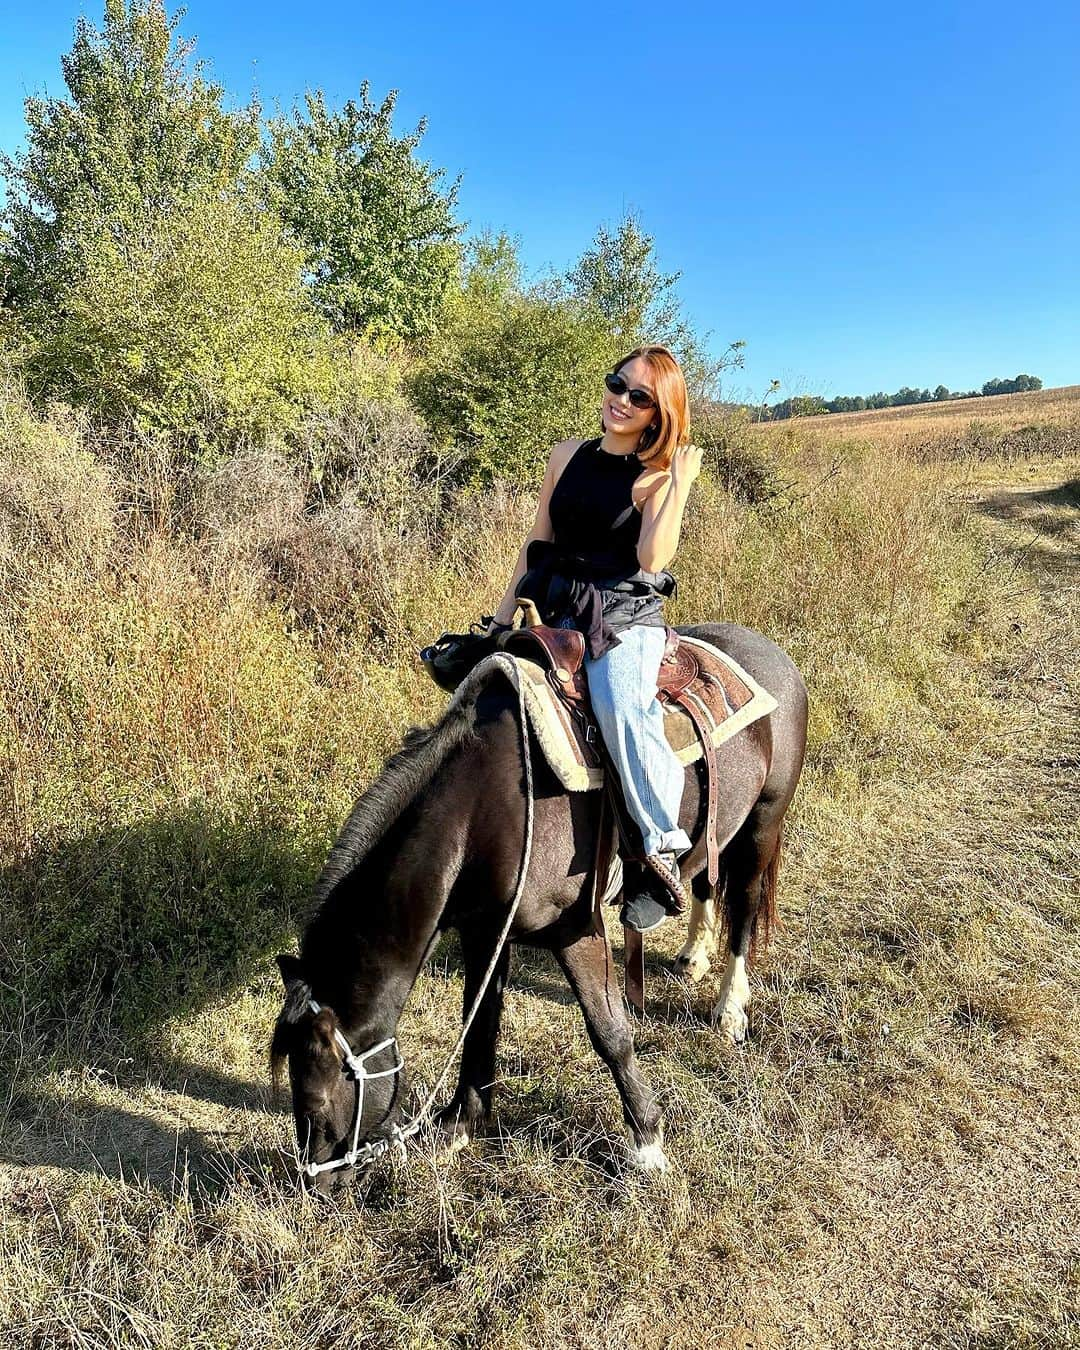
767	918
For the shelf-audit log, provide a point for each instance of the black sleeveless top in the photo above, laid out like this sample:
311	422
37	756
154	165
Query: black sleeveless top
592	508
588	577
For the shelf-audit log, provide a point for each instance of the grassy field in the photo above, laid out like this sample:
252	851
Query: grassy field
893	1159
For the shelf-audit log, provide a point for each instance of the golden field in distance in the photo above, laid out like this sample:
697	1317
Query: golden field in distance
929	427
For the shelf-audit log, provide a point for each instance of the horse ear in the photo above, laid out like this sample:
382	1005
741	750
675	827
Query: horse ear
292	972
322	1028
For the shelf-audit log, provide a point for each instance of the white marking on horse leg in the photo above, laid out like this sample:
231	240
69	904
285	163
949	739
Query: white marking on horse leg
456	1143
648	1157
730	1009
696	956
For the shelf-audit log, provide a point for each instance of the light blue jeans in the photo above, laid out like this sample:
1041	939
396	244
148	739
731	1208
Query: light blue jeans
622	685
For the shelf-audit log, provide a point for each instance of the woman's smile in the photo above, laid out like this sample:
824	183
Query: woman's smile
618	413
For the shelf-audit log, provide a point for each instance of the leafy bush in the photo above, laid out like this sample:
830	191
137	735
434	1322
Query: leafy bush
196	323
379	236
509	373
736	457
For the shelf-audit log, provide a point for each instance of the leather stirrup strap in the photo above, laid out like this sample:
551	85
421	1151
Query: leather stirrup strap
633	947
605	848
712	797
634	968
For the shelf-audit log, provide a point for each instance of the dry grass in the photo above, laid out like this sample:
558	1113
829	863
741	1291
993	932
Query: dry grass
891	1160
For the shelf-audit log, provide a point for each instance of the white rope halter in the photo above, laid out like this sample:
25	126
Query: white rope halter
354	1066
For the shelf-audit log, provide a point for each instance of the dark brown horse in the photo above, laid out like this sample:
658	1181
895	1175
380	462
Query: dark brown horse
436	843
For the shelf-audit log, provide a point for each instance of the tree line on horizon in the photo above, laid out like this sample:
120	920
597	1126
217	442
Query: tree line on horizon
809	405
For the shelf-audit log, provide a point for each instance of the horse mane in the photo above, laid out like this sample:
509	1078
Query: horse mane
402	776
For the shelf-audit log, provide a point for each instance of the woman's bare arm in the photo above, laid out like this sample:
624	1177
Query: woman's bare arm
541	528
662	511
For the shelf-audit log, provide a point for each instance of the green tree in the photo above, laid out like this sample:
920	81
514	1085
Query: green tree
509	372
1019	384
196	324
618	275
138	132
146	281
807	405
379	235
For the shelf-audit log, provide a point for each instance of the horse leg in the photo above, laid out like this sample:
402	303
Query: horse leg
470	1105
693	962
751	861
590	969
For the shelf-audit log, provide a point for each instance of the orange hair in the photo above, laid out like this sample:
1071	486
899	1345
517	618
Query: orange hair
672	414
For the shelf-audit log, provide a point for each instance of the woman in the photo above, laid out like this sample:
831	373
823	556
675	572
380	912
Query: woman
607	526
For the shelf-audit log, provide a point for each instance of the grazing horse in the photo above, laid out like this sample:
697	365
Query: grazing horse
436	842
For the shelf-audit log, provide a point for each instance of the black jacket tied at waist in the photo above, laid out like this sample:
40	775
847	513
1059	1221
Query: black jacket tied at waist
599	596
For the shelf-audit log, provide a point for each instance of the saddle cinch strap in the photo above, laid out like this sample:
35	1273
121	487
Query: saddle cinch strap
560	652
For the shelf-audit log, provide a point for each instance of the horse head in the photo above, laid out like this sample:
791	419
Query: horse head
345	1099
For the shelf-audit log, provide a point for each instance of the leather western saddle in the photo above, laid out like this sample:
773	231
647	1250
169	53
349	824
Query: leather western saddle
686	678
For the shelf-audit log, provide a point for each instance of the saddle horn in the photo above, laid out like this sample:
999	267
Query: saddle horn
530	614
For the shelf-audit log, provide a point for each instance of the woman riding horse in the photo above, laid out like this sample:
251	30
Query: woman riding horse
442	838
607	527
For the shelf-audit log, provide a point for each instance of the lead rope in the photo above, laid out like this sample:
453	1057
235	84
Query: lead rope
418	1119
355	1063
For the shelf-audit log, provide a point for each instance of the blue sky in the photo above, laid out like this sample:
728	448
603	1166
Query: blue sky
869	195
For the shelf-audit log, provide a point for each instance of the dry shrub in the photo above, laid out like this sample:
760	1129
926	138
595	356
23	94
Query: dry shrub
983	441
244	500
57	501
343	537
377	454
317	570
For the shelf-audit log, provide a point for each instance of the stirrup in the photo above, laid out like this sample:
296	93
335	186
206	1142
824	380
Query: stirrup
643	912
667	872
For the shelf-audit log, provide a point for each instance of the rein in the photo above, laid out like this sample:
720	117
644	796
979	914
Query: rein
354	1065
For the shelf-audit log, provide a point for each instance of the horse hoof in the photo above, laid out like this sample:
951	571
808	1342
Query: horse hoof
453	1137
692	967
454	1129
457	1143
734	1025
649	1158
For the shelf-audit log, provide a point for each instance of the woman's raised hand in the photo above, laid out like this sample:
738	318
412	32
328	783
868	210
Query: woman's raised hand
685	465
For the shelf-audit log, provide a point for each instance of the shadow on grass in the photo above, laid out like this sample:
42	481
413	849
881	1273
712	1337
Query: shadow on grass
106	938
1052	512
159	1146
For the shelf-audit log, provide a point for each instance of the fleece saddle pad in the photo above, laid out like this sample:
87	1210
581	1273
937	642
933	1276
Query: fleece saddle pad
562	736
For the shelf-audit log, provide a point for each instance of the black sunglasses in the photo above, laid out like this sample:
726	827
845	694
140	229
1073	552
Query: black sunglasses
640	398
